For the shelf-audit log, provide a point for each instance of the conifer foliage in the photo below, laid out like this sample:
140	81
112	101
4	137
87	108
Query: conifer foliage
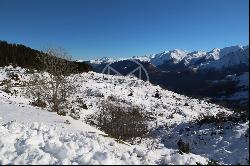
25	57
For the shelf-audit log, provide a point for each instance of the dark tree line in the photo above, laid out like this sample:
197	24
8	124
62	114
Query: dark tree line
22	56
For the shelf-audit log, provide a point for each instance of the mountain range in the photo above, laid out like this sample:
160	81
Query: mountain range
214	59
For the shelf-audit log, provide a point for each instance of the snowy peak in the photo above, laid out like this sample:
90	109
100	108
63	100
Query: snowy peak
198	59
214	54
192	57
175	56
202	58
217	53
102	60
144	58
229	57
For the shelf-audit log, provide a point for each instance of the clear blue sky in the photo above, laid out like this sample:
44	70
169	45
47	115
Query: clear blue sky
90	29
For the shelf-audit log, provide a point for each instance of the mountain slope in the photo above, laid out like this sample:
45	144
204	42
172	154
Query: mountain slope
172	117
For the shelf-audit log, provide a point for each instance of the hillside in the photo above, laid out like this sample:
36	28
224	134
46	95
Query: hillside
204	132
20	55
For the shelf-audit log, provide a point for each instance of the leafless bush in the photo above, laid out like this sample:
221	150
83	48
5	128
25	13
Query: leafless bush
39	103
6	85
122	122
13	76
52	85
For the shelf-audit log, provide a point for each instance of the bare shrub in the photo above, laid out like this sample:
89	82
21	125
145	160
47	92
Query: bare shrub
6	85
53	85
13	76
74	113
39	103
157	94
122	122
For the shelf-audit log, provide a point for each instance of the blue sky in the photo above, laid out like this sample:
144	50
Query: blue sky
90	29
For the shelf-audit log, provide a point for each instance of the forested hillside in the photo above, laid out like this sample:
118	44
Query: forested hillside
20	55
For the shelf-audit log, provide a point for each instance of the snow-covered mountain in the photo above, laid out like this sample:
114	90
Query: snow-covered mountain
103	60
228	57
215	59
193	57
175	56
32	135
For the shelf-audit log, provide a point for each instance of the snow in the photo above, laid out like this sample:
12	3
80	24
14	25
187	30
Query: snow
40	144
228	144
176	56
103	60
217	53
192	57
216	58
31	135
43	143
144	58
235	58
228	50
27	114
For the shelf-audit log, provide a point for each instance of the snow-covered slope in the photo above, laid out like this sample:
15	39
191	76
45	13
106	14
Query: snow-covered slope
40	144
30	135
